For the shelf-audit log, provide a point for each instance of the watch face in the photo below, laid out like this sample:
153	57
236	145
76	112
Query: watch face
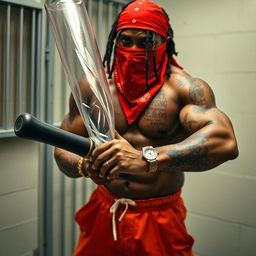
150	154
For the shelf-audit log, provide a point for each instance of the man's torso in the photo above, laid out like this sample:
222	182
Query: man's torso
158	125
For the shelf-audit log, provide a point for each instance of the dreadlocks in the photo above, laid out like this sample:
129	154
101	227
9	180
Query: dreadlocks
150	36
111	39
170	47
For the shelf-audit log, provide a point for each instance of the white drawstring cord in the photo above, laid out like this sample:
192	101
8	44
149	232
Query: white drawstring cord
114	208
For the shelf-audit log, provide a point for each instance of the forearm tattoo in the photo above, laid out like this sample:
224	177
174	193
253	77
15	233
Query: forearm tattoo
190	155
67	163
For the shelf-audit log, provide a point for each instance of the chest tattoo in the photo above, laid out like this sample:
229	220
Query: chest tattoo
156	112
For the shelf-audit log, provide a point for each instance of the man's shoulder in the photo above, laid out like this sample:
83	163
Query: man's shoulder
189	89
179	78
182	80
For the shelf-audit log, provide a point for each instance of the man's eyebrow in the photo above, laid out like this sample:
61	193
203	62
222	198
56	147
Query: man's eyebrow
124	36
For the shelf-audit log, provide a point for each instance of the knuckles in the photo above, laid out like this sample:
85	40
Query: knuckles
99	158
116	148
119	155
122	165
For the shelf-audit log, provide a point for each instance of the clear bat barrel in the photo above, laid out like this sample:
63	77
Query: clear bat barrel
76	43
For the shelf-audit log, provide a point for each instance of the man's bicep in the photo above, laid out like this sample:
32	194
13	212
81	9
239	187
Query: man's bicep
194	118
199	101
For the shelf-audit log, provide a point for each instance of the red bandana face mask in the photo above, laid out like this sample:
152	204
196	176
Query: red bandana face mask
130	78
129	70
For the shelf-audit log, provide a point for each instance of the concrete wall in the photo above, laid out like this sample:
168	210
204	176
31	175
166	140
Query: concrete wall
216	42
18	197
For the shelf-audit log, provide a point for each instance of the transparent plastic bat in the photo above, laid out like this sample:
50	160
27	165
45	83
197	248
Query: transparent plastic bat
80	57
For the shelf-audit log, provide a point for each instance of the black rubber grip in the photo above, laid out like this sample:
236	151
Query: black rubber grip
28	127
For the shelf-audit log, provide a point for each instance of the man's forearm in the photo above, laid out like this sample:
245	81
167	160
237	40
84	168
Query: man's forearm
199	152
67	162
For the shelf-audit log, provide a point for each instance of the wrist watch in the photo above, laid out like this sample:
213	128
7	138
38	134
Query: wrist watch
150	154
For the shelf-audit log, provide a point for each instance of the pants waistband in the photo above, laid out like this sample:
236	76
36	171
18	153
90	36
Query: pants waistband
155	202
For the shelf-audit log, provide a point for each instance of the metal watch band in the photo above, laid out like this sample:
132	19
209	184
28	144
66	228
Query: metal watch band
152	166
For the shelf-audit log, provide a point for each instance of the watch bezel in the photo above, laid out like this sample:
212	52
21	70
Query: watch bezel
147	149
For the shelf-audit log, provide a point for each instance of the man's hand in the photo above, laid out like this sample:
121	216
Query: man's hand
117	156
94	175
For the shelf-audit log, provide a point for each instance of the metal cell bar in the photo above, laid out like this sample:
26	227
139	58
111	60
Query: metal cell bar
25	3
20	64
62	215
90	8
110	15
84	191
73	209
38	65
7	68
119	8
47	180
46	246
48	153
7	133
100	14
64	93
123	2
32	65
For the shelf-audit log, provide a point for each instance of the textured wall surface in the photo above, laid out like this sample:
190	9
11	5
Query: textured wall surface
18	196
216	42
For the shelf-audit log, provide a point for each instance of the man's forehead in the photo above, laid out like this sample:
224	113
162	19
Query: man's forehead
135	32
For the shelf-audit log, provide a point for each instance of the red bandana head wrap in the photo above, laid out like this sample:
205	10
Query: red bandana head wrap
129	71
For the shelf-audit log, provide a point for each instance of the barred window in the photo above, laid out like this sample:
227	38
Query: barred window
20	61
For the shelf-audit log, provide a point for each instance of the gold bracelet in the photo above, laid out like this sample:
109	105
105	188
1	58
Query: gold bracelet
81	160
80	166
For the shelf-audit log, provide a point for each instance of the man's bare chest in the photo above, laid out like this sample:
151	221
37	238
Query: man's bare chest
160	118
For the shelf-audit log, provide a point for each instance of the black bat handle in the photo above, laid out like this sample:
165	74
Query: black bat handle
28	127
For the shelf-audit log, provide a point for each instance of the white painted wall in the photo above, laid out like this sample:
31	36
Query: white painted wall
216	41
18	197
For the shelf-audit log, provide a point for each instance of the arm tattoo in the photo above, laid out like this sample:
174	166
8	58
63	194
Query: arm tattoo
197	93
187	124
191	155
67	164
72	115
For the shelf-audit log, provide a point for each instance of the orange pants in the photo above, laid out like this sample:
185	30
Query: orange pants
154	227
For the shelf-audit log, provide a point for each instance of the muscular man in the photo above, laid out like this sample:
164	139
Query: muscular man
167	123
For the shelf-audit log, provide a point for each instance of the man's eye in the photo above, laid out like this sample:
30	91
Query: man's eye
125	41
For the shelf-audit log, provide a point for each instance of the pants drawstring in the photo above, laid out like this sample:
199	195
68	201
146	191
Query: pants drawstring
113	210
